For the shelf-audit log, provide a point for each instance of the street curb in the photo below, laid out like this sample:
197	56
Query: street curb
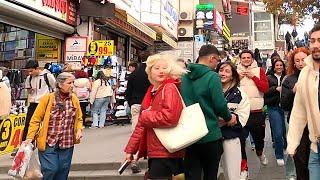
87	166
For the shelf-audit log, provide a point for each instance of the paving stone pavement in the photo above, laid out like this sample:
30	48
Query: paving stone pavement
106	145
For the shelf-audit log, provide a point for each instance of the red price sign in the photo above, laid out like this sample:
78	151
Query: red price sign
243	10
101	48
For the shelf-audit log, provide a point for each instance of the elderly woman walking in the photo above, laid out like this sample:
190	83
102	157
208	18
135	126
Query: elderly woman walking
56	125
161	108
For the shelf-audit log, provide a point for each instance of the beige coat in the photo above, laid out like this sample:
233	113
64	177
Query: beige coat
305	107
250	88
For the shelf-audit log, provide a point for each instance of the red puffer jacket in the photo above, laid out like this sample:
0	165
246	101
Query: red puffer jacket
164	112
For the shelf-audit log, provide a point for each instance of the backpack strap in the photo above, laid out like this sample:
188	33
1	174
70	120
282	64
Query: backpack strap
47	82
46	79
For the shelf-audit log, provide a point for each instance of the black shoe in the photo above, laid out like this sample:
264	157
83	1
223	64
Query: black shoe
135	168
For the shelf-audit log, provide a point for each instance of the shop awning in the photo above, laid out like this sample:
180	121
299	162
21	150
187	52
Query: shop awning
171	42
24	18
142	27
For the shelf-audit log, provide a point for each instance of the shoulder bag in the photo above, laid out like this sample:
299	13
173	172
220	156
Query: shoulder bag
191	128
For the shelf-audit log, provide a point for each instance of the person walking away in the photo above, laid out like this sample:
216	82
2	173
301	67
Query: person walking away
254	83
137	86
202	85
275	112
56	126
82	88
238	104
160	108
305	110
100	97
289	88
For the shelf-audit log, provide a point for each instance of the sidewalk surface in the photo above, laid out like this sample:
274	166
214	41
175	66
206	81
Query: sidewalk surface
106	145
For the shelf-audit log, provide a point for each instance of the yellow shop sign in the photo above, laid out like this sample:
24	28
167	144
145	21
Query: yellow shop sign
11	130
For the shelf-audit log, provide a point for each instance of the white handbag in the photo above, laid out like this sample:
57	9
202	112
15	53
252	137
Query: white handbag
191	128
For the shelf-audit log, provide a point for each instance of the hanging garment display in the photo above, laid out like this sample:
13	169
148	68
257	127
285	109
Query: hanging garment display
5	99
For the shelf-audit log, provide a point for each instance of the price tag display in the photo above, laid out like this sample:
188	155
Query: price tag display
100	48
11	129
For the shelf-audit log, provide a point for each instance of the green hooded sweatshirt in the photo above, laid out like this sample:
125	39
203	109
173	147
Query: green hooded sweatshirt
202	85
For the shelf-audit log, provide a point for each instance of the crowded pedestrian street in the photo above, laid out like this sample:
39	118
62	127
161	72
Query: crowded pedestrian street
160	89
95	160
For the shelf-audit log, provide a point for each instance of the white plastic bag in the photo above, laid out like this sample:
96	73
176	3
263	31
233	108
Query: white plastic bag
21	161
33	171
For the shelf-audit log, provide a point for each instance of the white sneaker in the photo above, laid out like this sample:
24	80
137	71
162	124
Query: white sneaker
263	160
244	175
280	162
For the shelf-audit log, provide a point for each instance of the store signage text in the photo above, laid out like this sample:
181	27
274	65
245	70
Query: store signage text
58	5
170	9
203	7
47	48
101	48
11	129
75	48
169	16
242	10
64	10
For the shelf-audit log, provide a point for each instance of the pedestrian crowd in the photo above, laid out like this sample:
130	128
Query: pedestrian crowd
232	93
236	95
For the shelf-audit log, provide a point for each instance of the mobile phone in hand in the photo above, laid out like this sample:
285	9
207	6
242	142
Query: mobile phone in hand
123	167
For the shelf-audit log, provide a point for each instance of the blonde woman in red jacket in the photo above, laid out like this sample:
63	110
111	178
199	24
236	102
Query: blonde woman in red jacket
161	108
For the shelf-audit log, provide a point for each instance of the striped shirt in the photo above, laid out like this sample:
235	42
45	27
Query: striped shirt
61	125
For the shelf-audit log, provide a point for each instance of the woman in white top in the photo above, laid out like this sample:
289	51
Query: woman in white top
100	97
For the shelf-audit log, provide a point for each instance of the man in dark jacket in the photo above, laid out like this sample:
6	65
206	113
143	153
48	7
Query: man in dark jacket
202	85
137	87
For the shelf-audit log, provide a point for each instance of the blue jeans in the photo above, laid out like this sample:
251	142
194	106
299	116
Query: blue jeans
55	162
100	106
276	118
314	166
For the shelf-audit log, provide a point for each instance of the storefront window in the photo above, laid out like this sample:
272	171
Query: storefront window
262	26
262	36
261	16
15	44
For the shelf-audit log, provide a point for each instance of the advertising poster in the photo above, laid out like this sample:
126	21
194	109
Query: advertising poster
47	48
101	48
11	129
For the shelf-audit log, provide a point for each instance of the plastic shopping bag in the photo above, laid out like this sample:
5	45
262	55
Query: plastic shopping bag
33	171
21	160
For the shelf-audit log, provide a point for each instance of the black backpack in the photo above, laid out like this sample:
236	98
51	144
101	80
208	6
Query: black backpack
45	76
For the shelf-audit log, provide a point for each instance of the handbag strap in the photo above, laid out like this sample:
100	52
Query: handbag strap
162	95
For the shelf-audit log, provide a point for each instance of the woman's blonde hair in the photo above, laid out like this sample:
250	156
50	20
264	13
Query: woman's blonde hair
174	70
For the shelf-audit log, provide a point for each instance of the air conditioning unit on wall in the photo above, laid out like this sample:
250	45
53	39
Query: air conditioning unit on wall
185	30
185	16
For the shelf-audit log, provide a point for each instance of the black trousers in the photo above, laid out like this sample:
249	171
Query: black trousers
256	126
83	106
301	158
32	107
203	158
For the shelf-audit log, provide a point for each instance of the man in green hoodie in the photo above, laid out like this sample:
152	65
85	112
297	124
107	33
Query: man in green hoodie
202	85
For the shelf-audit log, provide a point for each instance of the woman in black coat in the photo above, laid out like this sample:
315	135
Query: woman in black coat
295	64
275	113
